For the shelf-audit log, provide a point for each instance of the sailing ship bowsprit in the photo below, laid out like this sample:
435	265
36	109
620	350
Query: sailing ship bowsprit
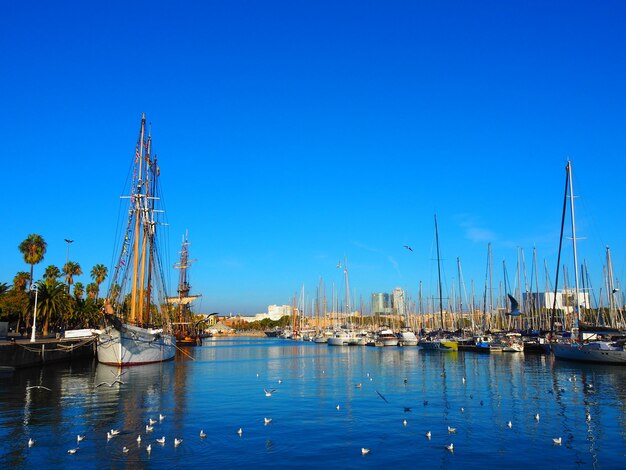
137	326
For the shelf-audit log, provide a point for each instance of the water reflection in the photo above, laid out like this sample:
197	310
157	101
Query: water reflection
220	389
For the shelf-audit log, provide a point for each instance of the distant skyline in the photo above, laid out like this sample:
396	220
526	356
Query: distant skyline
292	135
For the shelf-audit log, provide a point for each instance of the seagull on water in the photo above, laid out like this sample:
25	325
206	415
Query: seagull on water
556	441
202	434
177	442
428	434
509	424
450	447
31	442
149	448
149	428
588	417
462	410
365	451
268	393
337	407
114	432
404	422
139	439
280	381
240	431
79	438
463	379
125	450
151	421
267	421
161	417
359	385
537	417
451	430
109	436
161	441
72	451
38	386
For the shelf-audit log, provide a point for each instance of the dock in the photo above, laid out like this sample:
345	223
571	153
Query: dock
19	353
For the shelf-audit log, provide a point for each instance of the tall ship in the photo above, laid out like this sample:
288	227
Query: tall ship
186	330
137	315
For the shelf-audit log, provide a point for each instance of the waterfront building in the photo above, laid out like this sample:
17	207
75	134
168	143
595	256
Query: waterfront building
565	300
398	301
382	304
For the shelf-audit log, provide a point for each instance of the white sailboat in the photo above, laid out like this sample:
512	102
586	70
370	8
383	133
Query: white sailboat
604	351
136	311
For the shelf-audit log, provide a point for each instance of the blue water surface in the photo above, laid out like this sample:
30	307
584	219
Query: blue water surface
328	404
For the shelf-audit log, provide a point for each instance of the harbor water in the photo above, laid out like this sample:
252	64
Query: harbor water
326	405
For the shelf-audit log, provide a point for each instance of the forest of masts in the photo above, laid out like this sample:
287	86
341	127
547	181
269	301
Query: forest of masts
463	309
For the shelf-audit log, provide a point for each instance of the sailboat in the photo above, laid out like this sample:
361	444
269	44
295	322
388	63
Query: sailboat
137	328
577	349
438	343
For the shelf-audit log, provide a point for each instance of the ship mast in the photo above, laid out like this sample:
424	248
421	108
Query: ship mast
137	208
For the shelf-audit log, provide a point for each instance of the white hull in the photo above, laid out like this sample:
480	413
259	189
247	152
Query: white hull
408	338
576	352
133	346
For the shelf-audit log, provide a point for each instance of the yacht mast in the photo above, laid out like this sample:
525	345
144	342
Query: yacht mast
571	199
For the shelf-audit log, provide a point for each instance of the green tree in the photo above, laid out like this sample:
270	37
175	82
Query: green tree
71	269
54	303
20	280
92	290
33	249
79	290
99	274
51	274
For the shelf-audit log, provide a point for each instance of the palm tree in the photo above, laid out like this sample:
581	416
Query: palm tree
54	303
51	274
70	270
92	290
33	249
79	290
99	273
20	280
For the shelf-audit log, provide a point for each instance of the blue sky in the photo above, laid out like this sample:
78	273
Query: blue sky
294	134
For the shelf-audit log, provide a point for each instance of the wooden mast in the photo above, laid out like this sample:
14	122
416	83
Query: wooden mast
137	203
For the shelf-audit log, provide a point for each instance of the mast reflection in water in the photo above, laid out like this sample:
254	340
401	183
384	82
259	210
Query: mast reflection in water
221	390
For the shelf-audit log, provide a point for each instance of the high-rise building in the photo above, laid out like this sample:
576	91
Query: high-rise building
398	301
381	304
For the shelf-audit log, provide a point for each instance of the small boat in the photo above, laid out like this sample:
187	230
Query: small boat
407	337
273	333
513	343
386	337
340	338
438	344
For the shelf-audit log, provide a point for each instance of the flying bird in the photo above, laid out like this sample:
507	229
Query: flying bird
408	247
38	386
514	307
268	393
110	384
